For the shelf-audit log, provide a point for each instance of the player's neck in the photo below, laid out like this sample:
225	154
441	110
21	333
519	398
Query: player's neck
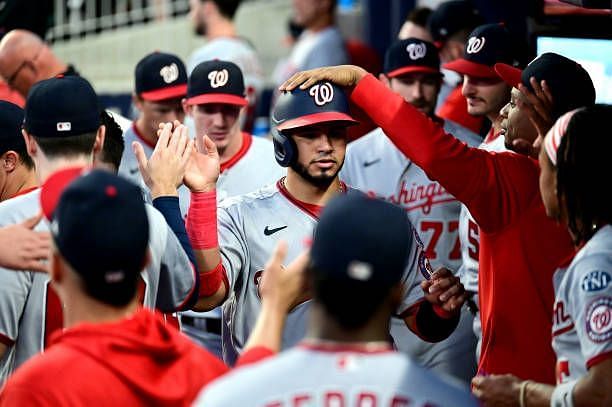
305	191
220	28
322	327
45	167
79	308
145	132
321	22
19	180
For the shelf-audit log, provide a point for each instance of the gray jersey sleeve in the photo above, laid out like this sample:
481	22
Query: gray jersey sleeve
592	305
417	270
14	290
233	244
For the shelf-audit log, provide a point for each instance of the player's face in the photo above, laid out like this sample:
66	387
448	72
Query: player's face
485	96
515	122
418	89
195	16
154	113
548	185
321	150
219	121
306	11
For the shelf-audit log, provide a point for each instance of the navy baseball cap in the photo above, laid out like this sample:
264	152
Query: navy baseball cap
160	76
487	45
60	107
320	103
216	81
569	83
98	223
411	55
11	119
361	239
450	17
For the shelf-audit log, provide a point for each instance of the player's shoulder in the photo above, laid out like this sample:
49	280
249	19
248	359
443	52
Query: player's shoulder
251	200
21	207
373	143
591	268
461	133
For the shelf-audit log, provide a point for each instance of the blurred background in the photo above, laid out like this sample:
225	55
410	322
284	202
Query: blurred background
106	38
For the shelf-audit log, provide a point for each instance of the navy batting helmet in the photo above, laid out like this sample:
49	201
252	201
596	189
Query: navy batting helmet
321	103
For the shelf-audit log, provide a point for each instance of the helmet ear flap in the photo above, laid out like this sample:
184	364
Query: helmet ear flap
285	150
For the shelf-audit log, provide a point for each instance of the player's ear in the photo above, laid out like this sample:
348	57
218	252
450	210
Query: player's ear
9	161
99	142
137	101
56	270
186	106
384	79
31	146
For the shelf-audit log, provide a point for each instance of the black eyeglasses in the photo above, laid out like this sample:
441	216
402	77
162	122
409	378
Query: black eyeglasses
27	62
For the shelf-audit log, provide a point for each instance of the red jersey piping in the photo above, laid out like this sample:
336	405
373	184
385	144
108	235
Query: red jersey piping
24	191
247	141
141	137
311	209
336	347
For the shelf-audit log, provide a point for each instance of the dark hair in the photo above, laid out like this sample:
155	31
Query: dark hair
227	8
582	158
69	146
419	16
112	151
350	303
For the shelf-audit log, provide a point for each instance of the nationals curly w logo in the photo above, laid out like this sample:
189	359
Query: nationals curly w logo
475	44
169	73
322	93
416	51
218	78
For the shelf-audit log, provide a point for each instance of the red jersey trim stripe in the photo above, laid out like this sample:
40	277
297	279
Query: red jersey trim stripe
369	348
598	359
6	340
563	330
247	141
141	137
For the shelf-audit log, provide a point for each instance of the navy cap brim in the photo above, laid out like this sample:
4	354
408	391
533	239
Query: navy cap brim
465	67
171	92
224	98
510	75
316	118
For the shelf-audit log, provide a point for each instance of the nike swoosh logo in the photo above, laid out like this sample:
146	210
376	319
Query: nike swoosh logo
268	231
133	170
368	163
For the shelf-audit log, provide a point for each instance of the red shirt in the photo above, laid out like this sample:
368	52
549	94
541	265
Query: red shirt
138	361
519	248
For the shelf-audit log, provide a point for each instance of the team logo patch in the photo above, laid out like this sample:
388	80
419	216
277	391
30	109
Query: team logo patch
218	78
416	51
64	126
169	73
322	93
424	266
595	281
475	44
599	320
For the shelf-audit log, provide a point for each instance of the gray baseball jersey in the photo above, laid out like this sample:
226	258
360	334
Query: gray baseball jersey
250	226
374	165
342	375
30	310
582	314
469	234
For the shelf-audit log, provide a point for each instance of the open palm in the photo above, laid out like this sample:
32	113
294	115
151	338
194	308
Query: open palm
203	167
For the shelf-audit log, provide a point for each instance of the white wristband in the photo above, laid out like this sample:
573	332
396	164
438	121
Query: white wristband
562	395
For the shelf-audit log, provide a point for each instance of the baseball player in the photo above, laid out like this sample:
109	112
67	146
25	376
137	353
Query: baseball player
574	150
310	140
346	359
160	84
520	247
62	132
17	174
412	70
215	101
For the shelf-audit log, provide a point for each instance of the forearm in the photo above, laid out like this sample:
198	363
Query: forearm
169	207
268	330
433	325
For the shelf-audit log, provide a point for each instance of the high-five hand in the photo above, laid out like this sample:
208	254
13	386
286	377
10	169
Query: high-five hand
341	75
203	167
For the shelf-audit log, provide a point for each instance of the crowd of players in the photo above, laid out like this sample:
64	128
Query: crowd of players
428	262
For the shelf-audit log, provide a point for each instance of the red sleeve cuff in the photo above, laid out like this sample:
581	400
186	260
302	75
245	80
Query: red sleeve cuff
6	340
442	313
254	355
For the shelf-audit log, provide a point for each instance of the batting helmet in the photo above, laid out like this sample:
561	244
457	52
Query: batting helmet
321	103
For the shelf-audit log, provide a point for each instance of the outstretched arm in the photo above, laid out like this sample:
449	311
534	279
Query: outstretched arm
21	248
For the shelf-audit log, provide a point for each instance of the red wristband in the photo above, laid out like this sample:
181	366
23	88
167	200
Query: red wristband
210	281
442	313
201	223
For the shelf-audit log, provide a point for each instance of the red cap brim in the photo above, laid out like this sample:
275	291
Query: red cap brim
510	75
218	98
54	186
171	92
465	67
316	118
413	69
